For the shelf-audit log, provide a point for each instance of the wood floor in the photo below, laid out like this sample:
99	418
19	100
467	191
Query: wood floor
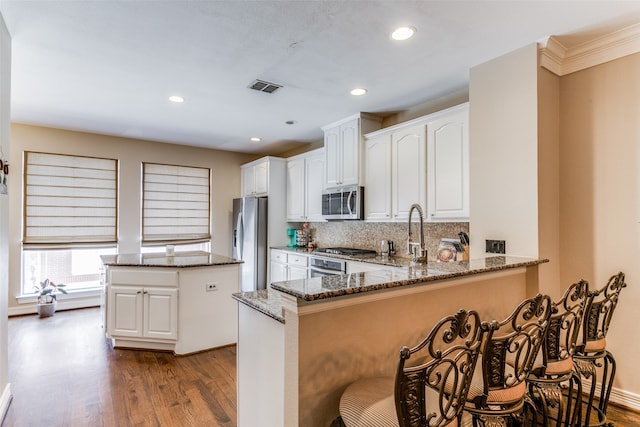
63	372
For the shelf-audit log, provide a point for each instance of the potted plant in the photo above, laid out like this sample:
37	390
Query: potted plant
47	291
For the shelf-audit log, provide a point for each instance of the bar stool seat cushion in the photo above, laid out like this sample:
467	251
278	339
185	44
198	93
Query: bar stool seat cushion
496	396
370	402
595	346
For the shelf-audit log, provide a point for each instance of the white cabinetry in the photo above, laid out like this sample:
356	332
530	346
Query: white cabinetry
143	305
143	309
396	168
424	161
266	177
448	164
305	182
288	266
343	144
258	176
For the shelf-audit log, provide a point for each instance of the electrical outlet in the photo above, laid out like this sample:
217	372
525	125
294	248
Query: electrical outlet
209	287
495	246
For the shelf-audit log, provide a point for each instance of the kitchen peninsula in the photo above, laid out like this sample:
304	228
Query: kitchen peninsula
180	303
316	336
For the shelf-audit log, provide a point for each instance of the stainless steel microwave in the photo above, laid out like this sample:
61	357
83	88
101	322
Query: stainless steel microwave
343	203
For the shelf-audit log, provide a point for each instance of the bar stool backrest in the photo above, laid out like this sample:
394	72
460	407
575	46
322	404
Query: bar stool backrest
599	310
563	330
510	353
442	368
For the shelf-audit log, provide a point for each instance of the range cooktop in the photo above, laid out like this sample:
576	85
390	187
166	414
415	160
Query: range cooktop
346	251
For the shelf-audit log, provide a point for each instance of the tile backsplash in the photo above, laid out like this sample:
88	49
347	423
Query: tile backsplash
367	235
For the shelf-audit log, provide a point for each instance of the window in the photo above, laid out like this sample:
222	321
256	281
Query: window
69	200
78	269
70	218
175	205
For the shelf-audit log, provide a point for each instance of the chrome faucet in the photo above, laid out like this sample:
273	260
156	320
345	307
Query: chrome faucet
418	251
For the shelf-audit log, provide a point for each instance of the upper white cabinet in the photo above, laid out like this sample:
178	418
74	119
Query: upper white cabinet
257	175
448	164
425	161
396	162
343	143
305	182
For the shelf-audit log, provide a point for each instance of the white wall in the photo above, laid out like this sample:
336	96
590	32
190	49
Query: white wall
5	95
225	168
503	153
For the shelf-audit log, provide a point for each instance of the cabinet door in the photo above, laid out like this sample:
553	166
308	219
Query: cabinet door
261	178
449	166
333	157
278	272
124	311
350	141
377	196
160	313
315	182
296	189
408	176
247	180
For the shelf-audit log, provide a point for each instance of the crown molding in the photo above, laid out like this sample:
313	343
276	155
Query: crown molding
561	60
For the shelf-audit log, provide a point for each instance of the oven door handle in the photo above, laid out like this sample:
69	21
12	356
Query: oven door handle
325	271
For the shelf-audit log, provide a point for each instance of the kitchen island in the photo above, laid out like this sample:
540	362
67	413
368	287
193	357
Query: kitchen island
316	336
179	303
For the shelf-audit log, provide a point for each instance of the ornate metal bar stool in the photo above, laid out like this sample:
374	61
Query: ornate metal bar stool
428	390
498	390
553	385
591	357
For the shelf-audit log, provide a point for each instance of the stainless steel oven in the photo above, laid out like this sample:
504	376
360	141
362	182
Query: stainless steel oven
319	266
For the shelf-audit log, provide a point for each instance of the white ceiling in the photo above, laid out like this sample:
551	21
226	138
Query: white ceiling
108	66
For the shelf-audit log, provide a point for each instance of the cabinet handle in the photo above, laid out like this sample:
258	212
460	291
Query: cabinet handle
139	292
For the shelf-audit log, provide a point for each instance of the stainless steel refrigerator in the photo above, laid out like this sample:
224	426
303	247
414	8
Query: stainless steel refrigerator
250	241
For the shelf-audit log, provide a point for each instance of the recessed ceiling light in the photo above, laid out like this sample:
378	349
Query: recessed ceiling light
256	139
177	99
358	91
403	33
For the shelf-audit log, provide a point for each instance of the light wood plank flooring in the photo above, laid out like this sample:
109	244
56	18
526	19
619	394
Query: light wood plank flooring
63	372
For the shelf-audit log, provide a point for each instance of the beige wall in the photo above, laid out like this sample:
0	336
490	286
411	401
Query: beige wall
548	179
5	90
599	188
130	152
503	168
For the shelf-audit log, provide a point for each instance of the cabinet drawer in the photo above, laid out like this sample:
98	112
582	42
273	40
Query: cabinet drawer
279	256
143	277
300	260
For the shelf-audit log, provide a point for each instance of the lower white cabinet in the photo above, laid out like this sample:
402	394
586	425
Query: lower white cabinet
143	312
184	310
288	266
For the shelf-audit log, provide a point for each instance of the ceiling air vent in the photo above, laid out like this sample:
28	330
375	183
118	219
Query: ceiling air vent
262	86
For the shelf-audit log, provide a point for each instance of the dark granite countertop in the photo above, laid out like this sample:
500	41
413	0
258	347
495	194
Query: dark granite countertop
266	301
318	288
395	261
180	260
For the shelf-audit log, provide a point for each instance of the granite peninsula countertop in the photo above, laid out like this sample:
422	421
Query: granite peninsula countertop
395	261
180	260
318	288
265	301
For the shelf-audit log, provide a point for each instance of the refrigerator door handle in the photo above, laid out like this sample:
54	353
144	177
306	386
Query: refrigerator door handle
237	240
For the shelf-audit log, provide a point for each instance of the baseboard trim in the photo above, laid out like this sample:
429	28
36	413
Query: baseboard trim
5	401
63	304
618	396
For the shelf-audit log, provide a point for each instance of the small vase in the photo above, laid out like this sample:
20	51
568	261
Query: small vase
46	309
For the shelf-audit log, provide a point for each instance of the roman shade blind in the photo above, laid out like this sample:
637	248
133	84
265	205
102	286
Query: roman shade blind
69	200
176	204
